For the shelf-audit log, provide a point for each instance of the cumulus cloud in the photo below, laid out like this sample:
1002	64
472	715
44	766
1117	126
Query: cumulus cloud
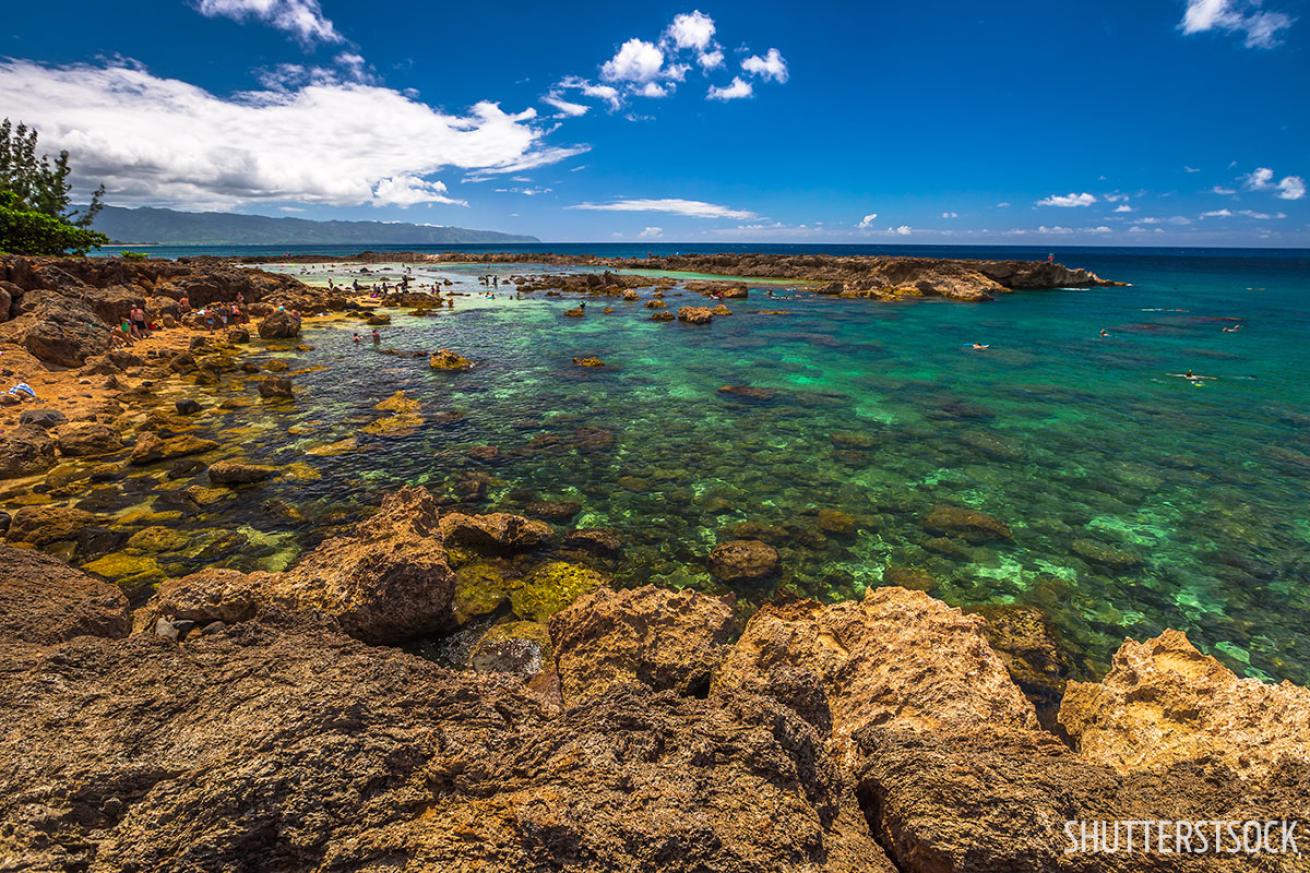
771	66
1262	179
635	61
1245	213
303	19
1259	28
1068	200
867	221
903	230
711	60
736	90
949	214
651	233
410	191
165	141
1123	207
653	89
673	206
692	30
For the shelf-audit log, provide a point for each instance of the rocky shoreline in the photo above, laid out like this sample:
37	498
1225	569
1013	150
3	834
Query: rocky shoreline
434	688
240	716
865	276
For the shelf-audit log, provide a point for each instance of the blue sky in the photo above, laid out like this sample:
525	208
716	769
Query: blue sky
1118	122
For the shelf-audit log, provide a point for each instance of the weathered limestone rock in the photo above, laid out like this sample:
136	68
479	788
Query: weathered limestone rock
497	530
233	472
88	439
42	525
896	657
743	561
668	640
25	451
1164	702
44	601
445	359
972	525
150	447
280	324
695	314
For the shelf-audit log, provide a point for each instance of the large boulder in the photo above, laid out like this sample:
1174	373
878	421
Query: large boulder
668	640
63	333
48	523
1164	702
25	451
88	439
897	656
280	324
387	582
44	601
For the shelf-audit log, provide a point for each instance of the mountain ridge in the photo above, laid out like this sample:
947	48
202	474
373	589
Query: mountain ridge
149	225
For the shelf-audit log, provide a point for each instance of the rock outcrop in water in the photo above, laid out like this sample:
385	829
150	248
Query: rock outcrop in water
253	728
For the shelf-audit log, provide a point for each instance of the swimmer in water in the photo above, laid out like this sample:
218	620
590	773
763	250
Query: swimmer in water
356	339
1234	329
1104	332
981	347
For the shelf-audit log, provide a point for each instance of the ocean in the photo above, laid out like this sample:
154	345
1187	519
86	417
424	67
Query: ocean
1136	500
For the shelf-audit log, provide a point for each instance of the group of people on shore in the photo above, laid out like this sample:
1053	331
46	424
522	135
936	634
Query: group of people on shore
138	325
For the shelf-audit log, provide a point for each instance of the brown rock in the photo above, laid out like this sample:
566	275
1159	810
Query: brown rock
1164	702
497	530
44	601
588	361
45	524
599	541
215	594
743	560
834	521
896	657
664	639
233	472
276	388
972	525
695	314
88	440
279	324
25	451
445	359
149	447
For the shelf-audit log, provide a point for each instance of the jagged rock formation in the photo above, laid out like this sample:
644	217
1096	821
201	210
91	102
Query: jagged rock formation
252	729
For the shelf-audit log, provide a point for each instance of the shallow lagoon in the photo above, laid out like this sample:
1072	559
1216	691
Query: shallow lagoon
1137	500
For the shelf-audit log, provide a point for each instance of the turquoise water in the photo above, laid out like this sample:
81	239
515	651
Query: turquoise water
1137	500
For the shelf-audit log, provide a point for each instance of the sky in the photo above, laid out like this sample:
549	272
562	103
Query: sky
1119	122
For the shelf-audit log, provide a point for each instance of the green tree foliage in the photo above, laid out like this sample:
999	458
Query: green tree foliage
35	216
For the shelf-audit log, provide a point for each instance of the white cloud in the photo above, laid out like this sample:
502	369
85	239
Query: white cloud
1291	188
1004	204
1099	229
651	233
526	192
1287	188
1245	213
1261	28
868	220
1057	229
1068	200
1187	169
411	190
635	61
567	109
653	89
1115	198
771	66
673	206
903	230
710	60
949	214
1123	207
607	93
735	91
165	141
692	30
303	19
1220	189
1259	179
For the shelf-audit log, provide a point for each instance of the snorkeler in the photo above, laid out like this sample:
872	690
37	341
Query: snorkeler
1104	332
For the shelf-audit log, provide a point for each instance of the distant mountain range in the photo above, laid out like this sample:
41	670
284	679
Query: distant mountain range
149	225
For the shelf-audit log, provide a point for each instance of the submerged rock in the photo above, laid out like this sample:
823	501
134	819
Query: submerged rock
972	525
235	472
150	447
588	361
667	640
743	561
553	586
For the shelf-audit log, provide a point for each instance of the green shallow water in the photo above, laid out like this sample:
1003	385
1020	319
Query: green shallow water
1079	443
